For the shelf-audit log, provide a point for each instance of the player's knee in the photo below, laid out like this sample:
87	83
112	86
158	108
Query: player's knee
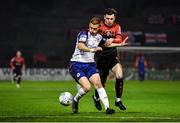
119	75
87	87
98	85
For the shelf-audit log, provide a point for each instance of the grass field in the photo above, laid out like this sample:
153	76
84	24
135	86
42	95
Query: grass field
38	101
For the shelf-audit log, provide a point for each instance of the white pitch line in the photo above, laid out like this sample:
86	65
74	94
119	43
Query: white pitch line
98	117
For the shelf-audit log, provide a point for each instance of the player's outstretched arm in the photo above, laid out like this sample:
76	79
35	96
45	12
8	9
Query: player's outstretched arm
123	43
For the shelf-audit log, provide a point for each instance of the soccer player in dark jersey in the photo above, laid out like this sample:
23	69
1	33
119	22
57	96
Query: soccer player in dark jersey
107	59
17	64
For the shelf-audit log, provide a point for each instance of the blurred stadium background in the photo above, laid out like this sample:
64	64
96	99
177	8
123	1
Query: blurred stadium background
45	31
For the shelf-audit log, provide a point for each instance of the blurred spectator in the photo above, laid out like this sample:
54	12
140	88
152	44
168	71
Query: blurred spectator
40	58
174	19
156	19
141	63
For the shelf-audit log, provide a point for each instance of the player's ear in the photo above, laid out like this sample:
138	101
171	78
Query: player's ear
104	17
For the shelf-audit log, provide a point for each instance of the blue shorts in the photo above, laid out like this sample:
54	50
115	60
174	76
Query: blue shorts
79	69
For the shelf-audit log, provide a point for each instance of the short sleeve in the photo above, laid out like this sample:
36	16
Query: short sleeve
82	36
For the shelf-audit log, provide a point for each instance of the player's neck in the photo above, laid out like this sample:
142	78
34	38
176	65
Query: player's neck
108	25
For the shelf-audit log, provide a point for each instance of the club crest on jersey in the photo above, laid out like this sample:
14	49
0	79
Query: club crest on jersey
78	75
108	33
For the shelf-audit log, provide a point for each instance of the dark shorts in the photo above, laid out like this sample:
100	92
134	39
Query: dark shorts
104	65
79	69
17	72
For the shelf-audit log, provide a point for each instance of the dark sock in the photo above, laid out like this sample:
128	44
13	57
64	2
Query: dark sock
19	80
119	87
96	94
14	78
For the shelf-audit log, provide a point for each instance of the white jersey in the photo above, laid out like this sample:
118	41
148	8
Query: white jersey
91	42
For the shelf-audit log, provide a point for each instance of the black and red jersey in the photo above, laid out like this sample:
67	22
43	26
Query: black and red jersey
108	32
113	31
17	62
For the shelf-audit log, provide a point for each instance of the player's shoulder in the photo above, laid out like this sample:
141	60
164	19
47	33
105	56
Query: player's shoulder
83	32
116	25
13	58
22	58
102	23
82	35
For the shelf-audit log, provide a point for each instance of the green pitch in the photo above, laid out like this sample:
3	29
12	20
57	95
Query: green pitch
38	101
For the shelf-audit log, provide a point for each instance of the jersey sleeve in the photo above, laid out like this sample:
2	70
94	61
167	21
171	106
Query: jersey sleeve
118	37
12	62
82	37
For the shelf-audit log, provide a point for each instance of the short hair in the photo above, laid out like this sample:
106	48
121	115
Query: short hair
95	21
110	11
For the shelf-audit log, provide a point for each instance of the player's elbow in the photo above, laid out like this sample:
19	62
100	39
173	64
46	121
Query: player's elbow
81	46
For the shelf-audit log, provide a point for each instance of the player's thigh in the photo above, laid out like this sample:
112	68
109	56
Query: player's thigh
117	70
95	80
19	73
85	84
76	71
103	71
93	75
79	75
103	75
15	73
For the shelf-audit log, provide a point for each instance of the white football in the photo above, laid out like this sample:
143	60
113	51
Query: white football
66	98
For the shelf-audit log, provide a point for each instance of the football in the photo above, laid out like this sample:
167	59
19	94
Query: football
66	98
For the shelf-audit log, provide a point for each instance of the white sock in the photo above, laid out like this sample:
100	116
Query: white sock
79	94
103	96
118	99
78	86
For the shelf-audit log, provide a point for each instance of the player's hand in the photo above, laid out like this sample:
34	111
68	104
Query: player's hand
98	49
123	43
109	42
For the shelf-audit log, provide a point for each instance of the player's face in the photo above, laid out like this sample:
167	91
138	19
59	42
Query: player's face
18	54
93	29
109	19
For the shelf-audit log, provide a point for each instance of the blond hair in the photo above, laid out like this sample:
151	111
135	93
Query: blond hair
95	21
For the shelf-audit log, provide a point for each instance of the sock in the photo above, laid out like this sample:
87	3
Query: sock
79	94
119	87
103	96
96	95
78	86
19	80
14	78
118	99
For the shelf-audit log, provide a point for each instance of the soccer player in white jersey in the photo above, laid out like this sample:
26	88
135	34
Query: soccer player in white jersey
83	67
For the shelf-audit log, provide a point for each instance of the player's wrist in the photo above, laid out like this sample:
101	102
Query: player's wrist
92	50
